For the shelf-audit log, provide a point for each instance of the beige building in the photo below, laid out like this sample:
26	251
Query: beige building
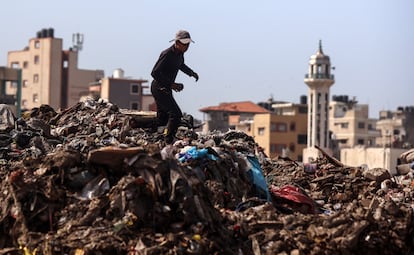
283	132
397	128
50	75
227	116
350	124
126	93
280	128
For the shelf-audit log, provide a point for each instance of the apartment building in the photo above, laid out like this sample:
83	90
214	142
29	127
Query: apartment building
50	75
396	128
350	124
227	116
283	131
125	92
278	127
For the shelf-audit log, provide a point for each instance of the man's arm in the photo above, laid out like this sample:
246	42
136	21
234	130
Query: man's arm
187	70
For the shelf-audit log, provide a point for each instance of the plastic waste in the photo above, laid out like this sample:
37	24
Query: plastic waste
95	188
194	153
310	168
256	176
7	118
297	195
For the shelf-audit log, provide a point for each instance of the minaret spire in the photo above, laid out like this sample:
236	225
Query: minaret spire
320	51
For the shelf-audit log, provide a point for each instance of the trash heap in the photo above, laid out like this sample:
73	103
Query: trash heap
85	181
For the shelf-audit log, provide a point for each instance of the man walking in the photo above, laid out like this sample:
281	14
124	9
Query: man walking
165	71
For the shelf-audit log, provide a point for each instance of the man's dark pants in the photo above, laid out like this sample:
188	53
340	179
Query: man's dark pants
168	111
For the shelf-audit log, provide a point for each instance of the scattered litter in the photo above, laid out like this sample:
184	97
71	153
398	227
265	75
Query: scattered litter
93	179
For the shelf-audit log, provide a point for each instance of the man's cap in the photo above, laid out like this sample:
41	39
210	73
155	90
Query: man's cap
182	36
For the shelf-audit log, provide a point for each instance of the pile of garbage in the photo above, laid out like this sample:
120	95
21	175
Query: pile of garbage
89	180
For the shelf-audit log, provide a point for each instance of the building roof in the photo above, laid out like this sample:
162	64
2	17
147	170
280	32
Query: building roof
240	107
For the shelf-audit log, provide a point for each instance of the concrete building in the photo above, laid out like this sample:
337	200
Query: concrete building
12	101
126	93
375	143
229	115
278	127
397	128
319	80
50	75
283	131
386	158
350	124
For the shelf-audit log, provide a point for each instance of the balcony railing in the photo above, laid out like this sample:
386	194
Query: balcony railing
319	76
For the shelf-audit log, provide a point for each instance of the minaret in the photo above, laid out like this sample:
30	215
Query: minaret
319	80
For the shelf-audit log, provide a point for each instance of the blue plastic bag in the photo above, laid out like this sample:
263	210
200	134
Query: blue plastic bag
193	153
257	178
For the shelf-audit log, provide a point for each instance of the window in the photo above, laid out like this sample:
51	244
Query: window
134	89
35	98
278	127
36	59
344	125
25	83
13	84
292	126
360	141
25	64
302	139
24	103
261	131
35	78
134	105
361	125
37	44
277	148
15	65
303	109
292	147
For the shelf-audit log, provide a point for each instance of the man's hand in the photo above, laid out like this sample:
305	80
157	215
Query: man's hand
195	75
177	87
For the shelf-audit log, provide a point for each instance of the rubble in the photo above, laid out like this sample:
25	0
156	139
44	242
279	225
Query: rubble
92	180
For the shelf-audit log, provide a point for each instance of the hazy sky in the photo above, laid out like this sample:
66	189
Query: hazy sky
243	50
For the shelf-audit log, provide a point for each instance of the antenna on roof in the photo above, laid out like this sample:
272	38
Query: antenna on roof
77	40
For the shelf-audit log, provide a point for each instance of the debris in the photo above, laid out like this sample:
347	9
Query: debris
92	180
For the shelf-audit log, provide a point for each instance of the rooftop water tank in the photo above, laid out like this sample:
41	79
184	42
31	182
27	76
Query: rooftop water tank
118	73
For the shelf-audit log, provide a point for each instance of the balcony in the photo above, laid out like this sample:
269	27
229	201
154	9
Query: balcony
319	76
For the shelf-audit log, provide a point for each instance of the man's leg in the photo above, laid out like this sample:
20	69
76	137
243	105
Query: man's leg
174	119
